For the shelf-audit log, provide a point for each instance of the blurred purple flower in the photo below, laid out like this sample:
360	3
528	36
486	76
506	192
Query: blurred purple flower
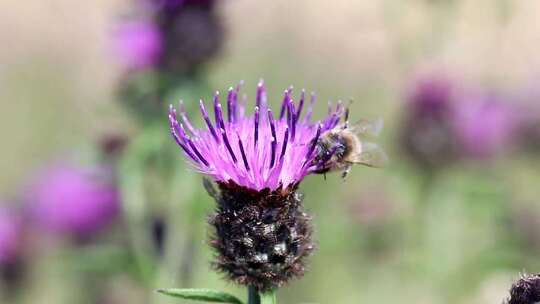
175	39
74	200
191	39
431	95
10	236
528	117
484	125
529	130
427	136
138	44
179	4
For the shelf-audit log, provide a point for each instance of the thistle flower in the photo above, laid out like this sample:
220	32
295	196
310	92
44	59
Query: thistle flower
428	136
12	252
526	290
484	125
10	236
529	131
168	10
138	44
192	32
528	121
166	43
73	200
262	234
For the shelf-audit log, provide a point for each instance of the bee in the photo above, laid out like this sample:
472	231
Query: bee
345	145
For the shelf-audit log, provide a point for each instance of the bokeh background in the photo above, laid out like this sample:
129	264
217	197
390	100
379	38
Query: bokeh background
98	206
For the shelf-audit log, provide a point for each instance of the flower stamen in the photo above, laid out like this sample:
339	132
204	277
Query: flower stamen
285	139
284	103
231	105
185	118
309	112
274	138
244	158
256	125
208	122
313	144
227	144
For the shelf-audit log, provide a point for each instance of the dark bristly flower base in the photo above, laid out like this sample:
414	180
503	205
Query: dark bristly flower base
261	237
526	290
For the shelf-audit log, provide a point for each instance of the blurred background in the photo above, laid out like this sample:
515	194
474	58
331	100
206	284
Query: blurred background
97	204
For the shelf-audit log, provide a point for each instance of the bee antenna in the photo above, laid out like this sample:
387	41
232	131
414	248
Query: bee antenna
346	125
346	116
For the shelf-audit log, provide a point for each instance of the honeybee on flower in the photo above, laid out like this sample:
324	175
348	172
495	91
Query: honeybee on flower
345	145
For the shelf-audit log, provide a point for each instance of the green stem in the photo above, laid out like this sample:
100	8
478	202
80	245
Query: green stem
253	295
268	297
131	186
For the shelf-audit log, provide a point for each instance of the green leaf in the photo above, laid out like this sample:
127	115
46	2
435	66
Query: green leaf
268	297
207	295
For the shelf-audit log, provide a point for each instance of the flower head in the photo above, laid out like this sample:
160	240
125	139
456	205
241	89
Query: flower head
262	234
528	118
257	151
10	236
484	125
427	135
526	290
173	6
165	40
191	38
431	95
74	200
138	44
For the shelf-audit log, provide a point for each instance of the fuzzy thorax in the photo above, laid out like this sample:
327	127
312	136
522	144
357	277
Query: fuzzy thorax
261	238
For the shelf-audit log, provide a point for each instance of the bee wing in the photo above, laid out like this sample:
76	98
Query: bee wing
372	155
369	127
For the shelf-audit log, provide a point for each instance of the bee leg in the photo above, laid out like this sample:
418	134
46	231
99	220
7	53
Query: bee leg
324	175
346	172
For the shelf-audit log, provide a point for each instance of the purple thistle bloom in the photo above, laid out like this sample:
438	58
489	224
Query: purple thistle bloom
10	236
484	125
173	5
427	135
262	235
528	118
432	95
138	44
258	151
525	291
73	200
